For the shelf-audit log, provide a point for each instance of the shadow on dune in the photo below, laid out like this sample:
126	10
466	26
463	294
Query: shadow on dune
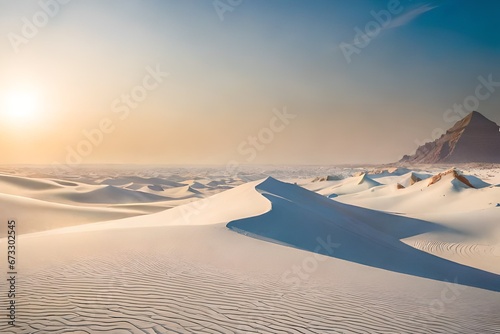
395	225
303	219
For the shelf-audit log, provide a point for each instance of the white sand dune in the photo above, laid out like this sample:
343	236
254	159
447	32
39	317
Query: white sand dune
298	218
60	191
35	215
180	279
47	203
476	243
350	185
469	213
198	185
16	185
405	180
184	191
446	195
244	202
141	180
109	195
299	263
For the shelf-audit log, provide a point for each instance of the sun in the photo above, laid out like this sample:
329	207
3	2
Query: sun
20	106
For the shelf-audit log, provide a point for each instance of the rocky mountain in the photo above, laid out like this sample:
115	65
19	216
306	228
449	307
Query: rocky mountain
472	139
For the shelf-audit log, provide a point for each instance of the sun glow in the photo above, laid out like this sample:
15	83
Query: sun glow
20	106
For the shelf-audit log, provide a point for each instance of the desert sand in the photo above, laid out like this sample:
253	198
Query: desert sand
266	250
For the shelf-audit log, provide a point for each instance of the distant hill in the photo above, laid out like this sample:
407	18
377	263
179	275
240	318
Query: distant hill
472	139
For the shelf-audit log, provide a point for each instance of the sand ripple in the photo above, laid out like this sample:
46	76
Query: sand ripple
154	294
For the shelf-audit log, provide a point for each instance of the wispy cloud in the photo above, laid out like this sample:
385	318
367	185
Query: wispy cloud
398	21
409	16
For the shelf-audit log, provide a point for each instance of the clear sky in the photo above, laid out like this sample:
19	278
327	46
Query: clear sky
252	81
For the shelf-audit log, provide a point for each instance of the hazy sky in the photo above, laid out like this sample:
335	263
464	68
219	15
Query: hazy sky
252	81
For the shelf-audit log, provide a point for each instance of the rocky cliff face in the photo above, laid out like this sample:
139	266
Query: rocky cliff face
472	139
